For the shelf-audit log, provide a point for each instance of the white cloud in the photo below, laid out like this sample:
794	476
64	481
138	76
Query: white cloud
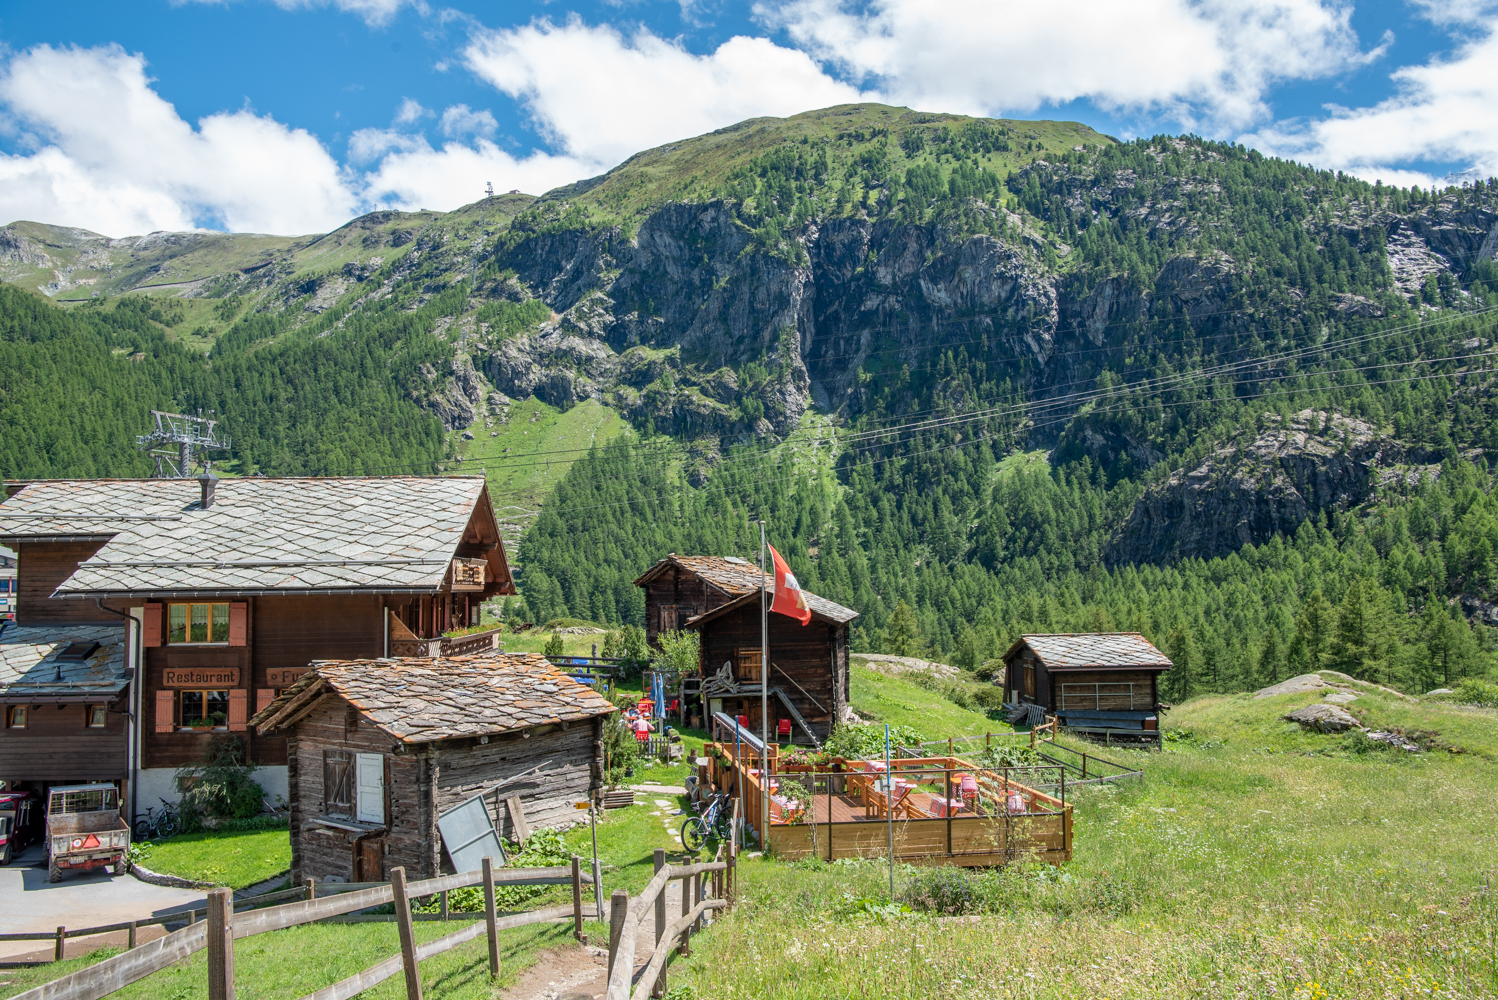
107	153
410	111
374	12
411	174
601	96
1446	111
1209	60
460	120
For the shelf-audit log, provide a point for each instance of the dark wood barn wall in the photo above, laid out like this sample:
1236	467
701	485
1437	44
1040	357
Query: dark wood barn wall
40	568
815	656
58	745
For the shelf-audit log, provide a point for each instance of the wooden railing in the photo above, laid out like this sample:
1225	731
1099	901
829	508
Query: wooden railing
223	926
626	916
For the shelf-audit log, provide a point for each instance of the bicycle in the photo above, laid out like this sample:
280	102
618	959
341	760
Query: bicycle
157	827
713	821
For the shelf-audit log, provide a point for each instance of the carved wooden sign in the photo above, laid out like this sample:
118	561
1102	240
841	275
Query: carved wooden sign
284	676
200	677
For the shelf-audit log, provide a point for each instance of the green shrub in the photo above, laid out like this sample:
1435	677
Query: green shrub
544	849
947	890
866	741
221	784
554	645
1474	691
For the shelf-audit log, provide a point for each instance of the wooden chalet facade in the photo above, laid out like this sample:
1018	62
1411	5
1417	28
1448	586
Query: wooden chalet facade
214	596
1102	681
682	587
808	675
379	749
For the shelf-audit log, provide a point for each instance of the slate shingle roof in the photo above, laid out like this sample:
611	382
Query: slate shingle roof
30	667
420	700
331	535
94	507
729	574
1098	650
820	607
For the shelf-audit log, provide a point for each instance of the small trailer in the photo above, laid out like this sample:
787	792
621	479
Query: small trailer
85	830
20	823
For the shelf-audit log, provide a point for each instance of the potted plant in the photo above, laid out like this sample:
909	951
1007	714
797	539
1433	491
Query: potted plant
802	760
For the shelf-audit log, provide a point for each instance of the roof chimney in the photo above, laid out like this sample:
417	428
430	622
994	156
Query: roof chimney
209	482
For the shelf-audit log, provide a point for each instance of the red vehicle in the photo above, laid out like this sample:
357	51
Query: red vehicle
20	823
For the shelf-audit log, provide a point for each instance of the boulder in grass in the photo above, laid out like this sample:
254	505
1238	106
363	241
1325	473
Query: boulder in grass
1295	685
1340	698
1437	691
1324	718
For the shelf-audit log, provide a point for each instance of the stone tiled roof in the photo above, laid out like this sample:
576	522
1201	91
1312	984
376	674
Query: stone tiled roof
730	574
331	535
419	700
30	666
81	507
820	607
1097	650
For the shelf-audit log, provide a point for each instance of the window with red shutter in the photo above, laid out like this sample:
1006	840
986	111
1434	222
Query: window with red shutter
150	629
166	706
263	697
239	613
239	703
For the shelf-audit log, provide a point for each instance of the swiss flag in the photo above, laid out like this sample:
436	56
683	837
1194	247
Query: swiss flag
789	600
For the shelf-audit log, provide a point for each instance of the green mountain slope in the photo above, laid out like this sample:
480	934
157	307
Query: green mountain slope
1251	381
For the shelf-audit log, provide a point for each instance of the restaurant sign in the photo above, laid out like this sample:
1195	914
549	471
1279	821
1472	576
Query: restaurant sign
200	677
284	676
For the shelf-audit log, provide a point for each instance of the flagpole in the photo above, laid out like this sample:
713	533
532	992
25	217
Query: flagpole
764	697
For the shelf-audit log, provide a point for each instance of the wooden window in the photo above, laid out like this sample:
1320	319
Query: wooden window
15	718
166	710
204	709
337	783
1029	675
95	716
371	789
668	618
197	623
749	665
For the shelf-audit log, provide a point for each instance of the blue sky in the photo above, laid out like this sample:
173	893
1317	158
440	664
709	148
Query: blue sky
293	115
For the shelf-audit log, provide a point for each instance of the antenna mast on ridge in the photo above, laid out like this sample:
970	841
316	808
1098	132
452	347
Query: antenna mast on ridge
179	441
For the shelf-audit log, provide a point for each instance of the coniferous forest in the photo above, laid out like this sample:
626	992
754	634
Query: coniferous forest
963	460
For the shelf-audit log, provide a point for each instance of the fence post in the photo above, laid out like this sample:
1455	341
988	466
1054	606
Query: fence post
660	921
685	947
221	944
311	890
490	917
132	935
62	937
577	898
444	904
618	910
407	932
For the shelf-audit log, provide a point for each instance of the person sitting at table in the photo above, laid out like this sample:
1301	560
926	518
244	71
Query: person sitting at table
642	728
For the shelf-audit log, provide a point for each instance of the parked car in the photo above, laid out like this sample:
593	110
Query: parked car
20	823
85	830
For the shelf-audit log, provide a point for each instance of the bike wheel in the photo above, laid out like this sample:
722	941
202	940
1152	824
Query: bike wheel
166	825
693	834
142	829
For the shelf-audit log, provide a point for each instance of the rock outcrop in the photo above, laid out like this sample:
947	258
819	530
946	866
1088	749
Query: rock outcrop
1247	493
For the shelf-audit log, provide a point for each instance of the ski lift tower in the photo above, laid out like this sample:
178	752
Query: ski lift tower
179	442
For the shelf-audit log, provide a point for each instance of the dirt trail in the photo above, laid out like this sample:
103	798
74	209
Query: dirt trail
580	972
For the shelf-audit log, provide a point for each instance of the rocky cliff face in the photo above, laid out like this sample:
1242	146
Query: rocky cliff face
1246	493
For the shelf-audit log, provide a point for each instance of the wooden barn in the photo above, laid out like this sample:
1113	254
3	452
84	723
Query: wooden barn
808	675
1089	681
379	749
681	587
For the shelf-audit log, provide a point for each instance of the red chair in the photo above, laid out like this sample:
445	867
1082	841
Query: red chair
783	730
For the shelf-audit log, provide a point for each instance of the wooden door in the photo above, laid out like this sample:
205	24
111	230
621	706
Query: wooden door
369	860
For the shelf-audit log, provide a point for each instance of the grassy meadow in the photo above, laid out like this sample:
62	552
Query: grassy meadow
1253	859
235	859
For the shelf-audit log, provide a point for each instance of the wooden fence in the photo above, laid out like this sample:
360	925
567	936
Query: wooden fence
626	916
223	926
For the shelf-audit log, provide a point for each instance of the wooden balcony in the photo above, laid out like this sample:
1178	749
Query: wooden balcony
404	643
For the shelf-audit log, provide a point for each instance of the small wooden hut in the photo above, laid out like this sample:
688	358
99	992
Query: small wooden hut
678	588
808	673
1102	681
379	749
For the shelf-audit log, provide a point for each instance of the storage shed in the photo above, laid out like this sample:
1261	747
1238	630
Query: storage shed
379	749
808	673
681	587
1089	680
